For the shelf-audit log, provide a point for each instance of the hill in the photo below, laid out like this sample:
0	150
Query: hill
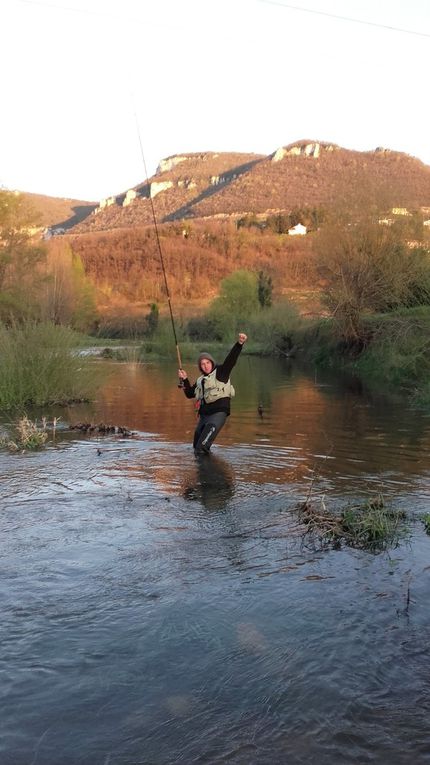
305	174
124	264
57	212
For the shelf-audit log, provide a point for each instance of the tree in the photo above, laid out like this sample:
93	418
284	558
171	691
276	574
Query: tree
279	223
409	226
366	268
237	301
84	308
21	279
264	289
152	319
58	302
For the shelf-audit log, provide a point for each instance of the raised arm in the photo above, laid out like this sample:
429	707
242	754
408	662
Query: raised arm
223	371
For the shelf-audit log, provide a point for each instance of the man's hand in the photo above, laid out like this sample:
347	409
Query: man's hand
242	338
182	374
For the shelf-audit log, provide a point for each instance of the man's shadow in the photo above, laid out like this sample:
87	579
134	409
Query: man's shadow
211	482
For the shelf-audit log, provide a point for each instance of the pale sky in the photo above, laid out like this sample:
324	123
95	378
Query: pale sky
201	75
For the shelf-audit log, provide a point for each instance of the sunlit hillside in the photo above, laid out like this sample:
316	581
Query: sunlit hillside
57	211
201	201
125	267
305	174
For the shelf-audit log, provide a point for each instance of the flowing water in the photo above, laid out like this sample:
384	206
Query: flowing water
158	609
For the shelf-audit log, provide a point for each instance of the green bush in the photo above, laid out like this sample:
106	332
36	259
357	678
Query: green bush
130	327
41	365
202	328
123	327
399	349
274	329
237	301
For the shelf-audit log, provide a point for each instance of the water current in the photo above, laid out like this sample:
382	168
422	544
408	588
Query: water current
161	609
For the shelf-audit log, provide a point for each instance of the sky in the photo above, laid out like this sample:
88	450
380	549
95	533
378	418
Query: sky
83	79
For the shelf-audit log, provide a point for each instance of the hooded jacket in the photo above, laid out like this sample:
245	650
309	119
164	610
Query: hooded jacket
222	374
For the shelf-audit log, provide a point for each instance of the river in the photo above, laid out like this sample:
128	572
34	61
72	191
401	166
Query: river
158	609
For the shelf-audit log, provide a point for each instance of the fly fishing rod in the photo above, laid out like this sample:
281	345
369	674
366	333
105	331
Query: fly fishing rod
160	252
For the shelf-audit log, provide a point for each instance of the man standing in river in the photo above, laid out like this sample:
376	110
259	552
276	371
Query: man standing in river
213	391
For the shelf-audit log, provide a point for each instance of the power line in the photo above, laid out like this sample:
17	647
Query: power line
279	4
90	12
346	18
56	7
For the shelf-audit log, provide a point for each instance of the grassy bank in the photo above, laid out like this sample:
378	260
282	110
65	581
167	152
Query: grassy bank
40	365
269	333
390	349
394	349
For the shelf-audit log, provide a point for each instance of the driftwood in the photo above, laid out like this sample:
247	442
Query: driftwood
102	429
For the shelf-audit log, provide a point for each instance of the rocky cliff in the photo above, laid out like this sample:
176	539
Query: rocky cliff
304	174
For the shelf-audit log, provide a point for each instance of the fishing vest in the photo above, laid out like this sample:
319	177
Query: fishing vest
213	388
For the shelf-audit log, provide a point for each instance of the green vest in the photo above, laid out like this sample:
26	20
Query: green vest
213	388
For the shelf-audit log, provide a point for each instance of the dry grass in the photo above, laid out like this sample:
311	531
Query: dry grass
369	526
27	436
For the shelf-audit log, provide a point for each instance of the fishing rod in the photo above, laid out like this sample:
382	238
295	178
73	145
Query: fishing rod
160	252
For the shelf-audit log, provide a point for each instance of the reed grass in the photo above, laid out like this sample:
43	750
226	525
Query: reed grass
27	436
368	526
426	521
40	365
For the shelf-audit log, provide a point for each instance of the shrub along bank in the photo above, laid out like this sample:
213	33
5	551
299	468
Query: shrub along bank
41	365
393	348
390	346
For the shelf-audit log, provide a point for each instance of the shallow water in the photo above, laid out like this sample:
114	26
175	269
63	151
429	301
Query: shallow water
160	609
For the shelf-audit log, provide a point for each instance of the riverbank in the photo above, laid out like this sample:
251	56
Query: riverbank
395	350
45	364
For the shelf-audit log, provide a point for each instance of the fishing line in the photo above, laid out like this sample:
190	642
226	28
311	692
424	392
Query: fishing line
160	251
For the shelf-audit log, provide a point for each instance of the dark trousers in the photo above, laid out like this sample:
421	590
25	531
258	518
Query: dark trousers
208	427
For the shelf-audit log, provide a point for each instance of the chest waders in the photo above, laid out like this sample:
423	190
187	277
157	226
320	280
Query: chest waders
209	390
208	427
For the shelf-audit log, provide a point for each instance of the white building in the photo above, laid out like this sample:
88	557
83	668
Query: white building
298	230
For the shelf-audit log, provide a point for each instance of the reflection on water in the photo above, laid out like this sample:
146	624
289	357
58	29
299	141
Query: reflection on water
211	482
159	608
309	424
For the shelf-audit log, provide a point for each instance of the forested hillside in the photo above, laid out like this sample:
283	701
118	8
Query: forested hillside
125	264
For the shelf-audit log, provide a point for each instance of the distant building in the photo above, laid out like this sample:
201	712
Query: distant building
400	211
298	230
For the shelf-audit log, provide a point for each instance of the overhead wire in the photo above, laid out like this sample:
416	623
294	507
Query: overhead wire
278	3
350	19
